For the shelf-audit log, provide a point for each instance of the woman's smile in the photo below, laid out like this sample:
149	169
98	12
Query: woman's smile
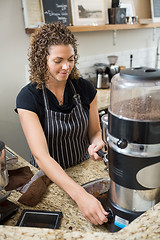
64	73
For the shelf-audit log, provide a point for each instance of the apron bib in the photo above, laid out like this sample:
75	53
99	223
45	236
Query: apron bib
67	134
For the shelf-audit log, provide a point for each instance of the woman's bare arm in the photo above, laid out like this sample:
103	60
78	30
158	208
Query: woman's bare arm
90	207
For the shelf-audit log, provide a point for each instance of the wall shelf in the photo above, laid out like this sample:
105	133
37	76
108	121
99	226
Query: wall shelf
106	27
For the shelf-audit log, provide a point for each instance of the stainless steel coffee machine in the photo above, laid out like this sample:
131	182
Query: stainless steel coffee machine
7	208
102	79
132	132
112	68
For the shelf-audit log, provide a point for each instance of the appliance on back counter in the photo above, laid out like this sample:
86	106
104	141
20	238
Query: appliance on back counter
112	68
132	132
105	72
102	79
7	208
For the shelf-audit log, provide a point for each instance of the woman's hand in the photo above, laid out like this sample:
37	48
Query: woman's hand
91	208
92	150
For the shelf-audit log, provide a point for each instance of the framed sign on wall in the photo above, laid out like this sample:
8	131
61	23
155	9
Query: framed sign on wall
38	12
90	12
56	10
155	10
32	12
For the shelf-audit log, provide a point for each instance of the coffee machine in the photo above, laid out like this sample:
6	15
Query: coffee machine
102	78
112	68
7	208
131	129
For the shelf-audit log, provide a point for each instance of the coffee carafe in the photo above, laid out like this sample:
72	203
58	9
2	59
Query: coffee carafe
101	77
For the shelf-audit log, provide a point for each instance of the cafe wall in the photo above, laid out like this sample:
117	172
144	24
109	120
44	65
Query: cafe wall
95	46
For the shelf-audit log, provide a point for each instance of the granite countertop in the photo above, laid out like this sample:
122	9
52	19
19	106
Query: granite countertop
73	225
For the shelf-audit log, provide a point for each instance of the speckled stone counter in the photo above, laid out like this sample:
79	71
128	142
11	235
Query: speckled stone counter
73	225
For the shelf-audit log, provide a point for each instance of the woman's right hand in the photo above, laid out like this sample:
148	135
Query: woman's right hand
91	208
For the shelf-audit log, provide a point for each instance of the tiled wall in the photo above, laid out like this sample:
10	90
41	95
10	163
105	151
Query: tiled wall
141	57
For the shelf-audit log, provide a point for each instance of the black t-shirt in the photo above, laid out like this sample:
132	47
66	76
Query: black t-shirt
31	98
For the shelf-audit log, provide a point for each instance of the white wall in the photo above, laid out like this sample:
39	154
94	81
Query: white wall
93	47
13	58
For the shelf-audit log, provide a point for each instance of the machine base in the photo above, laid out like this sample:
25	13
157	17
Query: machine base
121	217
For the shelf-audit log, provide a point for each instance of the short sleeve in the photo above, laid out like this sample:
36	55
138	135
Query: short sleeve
87	90
26	100
91	90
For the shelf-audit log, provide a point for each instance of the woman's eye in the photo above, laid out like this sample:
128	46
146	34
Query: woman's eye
57	61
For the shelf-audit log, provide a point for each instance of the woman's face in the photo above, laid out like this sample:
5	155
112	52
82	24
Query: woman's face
60	62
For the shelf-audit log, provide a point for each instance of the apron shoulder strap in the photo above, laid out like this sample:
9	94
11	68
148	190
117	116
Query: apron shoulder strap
76	96
46	103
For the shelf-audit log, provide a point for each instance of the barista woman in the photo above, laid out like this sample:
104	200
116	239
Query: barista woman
58	114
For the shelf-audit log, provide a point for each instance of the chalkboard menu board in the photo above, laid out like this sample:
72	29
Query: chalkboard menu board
56	10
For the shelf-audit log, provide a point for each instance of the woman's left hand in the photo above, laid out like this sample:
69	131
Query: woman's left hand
92	150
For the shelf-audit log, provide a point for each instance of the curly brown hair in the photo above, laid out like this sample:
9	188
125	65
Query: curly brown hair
41	40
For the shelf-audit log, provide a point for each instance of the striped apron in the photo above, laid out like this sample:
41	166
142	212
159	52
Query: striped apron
67	133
